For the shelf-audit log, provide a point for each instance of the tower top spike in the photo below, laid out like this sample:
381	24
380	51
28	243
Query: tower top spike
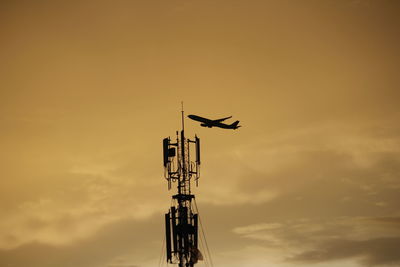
183	117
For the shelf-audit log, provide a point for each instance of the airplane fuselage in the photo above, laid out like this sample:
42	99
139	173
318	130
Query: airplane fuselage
214	123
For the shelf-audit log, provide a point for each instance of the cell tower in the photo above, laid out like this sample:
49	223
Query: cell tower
181	221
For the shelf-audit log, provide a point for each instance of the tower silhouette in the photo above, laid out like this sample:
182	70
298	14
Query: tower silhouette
181	221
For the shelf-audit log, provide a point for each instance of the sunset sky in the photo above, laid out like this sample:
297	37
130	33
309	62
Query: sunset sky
88	90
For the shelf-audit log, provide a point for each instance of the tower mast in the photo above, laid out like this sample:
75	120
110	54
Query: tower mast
181	221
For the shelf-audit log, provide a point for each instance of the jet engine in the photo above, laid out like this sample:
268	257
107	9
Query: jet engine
205	125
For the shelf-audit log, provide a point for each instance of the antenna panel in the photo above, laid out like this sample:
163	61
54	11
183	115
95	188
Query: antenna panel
168	236
165	151
195	226
171	152
174	230
197	150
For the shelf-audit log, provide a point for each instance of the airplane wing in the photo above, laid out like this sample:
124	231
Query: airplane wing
220	120
200	119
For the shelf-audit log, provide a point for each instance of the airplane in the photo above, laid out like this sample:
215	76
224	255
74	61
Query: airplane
215	123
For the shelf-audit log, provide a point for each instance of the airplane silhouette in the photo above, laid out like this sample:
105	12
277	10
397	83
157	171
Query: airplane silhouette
215	123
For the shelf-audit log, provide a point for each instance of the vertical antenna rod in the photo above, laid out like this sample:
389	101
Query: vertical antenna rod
183	121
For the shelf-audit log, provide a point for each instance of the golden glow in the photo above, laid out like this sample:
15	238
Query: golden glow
88	89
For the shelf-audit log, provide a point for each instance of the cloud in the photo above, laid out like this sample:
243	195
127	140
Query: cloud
367	240
82	115
329	183
373	252
90	199
125	239
288	177
256	227
388	221
333	162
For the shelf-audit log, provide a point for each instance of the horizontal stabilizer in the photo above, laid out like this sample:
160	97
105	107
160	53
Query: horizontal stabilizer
235	124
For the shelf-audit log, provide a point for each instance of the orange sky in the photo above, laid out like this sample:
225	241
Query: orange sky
88	89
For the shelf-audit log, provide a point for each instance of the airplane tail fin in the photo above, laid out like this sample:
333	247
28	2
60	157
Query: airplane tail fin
235	125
